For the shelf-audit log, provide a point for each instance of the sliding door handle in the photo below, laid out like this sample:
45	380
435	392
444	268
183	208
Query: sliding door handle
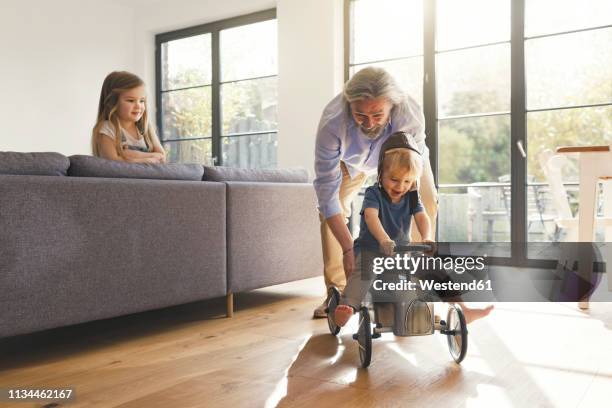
519	144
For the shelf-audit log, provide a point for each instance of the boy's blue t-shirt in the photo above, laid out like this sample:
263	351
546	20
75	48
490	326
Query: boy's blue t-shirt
395	218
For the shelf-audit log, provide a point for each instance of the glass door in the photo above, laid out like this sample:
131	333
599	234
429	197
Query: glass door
568	103
472	82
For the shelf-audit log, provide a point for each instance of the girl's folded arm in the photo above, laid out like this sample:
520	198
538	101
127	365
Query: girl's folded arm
130	155
107	150
158	149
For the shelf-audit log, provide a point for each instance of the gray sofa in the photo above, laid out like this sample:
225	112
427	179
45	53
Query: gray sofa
76	247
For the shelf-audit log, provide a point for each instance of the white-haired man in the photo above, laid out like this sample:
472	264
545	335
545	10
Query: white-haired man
352	129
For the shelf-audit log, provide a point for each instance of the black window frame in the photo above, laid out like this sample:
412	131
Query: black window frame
214	30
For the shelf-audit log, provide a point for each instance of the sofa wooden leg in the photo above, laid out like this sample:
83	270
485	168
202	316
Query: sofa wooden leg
230	304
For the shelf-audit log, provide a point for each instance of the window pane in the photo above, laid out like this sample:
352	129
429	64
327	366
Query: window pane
544	211
571	69
474	150
557	196
186	113
249	51
542	214
453	215
384	29
186	62
479	213
554	16
474	81
407	72
567	127
189	151
472	22
249	106
256	151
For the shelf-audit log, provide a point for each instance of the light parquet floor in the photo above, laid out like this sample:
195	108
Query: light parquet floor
271	353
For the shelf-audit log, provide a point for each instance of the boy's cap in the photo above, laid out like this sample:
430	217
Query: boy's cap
398	140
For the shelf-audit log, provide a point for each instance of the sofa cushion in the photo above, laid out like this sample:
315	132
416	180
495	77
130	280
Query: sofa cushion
90	166
295	175
34	164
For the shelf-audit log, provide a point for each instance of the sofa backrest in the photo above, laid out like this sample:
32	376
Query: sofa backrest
291	175
56	164
90	166
34	164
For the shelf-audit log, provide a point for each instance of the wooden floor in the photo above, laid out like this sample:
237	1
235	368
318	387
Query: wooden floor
271	353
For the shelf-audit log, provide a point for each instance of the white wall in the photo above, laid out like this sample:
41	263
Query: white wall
311	70
55	55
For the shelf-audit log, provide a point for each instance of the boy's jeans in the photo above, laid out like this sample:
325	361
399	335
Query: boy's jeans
360	281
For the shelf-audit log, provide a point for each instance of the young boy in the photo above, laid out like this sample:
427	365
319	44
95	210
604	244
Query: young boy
388	207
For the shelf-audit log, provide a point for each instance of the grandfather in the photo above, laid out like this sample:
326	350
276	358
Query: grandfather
352	129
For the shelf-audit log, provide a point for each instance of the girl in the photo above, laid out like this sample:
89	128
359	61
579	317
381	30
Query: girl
388	207
122	130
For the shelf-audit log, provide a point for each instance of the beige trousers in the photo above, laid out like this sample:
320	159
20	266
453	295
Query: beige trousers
429	198
333	269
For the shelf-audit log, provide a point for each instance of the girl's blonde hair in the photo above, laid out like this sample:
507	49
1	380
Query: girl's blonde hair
114	84
401	159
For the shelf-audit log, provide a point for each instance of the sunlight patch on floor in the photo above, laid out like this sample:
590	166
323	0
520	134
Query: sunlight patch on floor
410	357
280	390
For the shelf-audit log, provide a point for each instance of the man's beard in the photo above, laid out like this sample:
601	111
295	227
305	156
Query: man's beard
373	132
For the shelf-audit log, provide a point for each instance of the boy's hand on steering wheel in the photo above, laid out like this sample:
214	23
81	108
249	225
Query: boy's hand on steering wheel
433	245
387	247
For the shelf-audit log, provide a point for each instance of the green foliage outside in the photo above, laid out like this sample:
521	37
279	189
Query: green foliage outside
478	149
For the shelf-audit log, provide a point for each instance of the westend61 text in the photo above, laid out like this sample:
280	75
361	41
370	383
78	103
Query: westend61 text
429	285
412	264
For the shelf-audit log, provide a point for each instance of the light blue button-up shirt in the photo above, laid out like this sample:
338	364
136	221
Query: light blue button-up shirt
340	139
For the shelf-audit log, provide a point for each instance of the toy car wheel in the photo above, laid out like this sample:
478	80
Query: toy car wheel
333	298
456	332
364	337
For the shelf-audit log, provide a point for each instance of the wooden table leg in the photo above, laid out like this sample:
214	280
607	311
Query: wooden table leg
229	299
587	195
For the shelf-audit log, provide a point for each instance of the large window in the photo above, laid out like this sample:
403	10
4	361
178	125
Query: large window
217	92
497	78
